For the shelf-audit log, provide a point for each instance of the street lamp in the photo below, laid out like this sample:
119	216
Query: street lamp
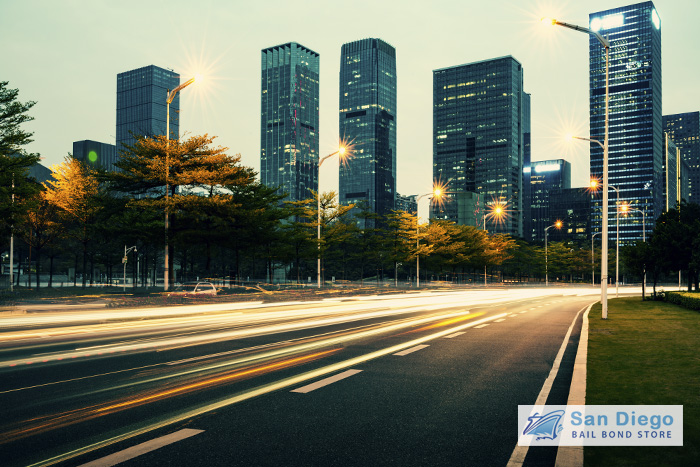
625	208
593	258
437	193
169	98
604	255
558	225
341	153
124	260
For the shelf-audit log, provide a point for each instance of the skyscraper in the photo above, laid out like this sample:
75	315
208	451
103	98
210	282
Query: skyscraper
480	113
289	120
684	130
544	177
636	133
368	120
141	109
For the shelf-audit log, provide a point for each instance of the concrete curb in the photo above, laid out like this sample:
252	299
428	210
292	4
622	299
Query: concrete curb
572	456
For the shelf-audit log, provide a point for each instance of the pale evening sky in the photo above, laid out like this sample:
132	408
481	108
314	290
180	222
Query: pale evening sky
66	55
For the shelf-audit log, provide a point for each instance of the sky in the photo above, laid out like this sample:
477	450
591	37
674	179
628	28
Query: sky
66	55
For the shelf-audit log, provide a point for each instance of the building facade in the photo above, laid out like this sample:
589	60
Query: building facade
479	117
141	104
367	120
684	129
672	178
543	178
573	207
406	203
289	113
636	130
96	154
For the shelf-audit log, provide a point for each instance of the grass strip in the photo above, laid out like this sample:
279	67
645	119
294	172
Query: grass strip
645	353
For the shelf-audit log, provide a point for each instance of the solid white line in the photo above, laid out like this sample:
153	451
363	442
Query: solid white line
326	381
411	350
454	335
143	448
481	326
519	453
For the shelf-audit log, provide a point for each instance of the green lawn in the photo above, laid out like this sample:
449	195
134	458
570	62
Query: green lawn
646	353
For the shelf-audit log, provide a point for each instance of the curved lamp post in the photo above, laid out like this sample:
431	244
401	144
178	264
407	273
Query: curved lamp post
341	154
437	194
171	95
124	260
558	225
604	255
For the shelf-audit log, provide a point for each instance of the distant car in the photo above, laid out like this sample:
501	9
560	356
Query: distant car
195	288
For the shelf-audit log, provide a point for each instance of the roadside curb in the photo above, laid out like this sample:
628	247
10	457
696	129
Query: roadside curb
572	456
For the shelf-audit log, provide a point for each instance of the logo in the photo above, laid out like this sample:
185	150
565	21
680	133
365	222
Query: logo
546	426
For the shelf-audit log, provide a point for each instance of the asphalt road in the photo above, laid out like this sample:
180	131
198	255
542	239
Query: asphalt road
423	379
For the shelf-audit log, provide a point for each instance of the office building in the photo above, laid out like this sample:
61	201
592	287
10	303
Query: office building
406	203
636	133
479	117
367	105
671	170
684	129
141	104
543	178
573	207
96	154
289	120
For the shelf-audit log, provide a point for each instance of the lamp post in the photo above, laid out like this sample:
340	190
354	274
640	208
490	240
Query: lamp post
341	153
558	225
625	208
168	100
437	193
124	260
604	255
593	258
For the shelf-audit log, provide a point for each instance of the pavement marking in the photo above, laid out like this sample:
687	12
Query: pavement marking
499	320
326	381
518	456
481	326
454	335
524	311
143	448
411	350
513	316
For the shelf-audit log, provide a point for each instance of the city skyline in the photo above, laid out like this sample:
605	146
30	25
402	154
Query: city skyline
226	47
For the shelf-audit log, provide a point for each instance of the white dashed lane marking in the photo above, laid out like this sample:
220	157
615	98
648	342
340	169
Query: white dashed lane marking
481	326
411	350
326	381
454	335
499	320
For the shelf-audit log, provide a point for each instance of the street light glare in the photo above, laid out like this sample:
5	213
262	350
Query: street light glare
558	224
548	21
198	78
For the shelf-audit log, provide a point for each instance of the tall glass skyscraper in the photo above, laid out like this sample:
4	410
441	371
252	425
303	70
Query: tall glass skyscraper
636	131
141	96
289	120
368	120
684	130
542	178
96	154
480	113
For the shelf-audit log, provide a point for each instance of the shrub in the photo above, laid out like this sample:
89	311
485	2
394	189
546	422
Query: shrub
684	299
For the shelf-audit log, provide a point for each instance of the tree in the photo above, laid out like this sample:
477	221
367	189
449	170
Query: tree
15	183
74	190
198	177
41	226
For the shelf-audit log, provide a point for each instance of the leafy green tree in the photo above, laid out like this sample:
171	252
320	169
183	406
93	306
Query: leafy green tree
15	183
41	226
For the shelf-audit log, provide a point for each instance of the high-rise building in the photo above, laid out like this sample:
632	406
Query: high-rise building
406	203
572	206
141	108
636	130
368	120
289	120
480	113
544	177
96	154
671	169
684	129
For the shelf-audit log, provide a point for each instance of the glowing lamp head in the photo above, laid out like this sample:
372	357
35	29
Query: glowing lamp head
624	207
198	78
498	210
548	21
437	192
594	184
558	224
341	151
